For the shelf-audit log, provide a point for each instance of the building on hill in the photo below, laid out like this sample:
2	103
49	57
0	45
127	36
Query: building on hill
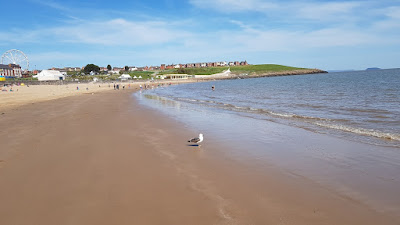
175	76
244	63
203	64
10	71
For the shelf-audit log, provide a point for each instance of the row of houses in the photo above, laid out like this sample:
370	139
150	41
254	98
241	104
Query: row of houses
116	70
10	71
203	64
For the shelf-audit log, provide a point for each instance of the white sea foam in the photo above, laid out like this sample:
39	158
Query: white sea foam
361	131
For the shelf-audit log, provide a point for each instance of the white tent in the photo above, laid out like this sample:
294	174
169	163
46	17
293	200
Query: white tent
49	75
140	77
125	77
135	77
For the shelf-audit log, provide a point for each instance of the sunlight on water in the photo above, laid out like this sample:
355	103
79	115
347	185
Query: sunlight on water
362	105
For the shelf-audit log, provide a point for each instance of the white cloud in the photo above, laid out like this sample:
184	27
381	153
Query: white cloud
325	10
116	32
391	22
234	5
284	40
171	41
51	4
313	10
119	32
393	12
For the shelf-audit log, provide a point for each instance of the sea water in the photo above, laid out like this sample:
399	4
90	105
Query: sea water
340	130
361	105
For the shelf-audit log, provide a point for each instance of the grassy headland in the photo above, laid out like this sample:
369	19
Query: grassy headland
251	70
195	71
263	68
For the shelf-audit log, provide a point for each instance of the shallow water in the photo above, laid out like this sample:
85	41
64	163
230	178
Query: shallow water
319	127
362	105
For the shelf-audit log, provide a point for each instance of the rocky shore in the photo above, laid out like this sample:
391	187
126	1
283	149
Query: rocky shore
280	73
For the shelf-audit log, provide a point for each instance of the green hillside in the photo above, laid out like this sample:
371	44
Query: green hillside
263	68
195	71
250	69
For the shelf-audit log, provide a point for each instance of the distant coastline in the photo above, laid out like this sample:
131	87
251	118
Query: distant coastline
373	68
284	73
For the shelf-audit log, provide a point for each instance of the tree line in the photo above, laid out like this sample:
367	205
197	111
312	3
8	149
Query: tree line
95	68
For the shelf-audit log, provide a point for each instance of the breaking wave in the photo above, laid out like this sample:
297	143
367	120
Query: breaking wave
320	122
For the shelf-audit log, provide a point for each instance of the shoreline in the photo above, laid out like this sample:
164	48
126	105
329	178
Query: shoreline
38	92
351	169
104	159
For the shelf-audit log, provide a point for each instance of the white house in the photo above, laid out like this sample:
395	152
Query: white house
47	75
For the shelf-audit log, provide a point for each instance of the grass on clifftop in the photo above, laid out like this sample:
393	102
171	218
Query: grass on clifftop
144	74
195	71
258	69
263	68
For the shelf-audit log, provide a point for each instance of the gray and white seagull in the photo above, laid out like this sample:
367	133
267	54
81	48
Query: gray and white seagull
197	139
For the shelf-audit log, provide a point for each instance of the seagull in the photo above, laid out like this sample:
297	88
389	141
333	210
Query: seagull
197	139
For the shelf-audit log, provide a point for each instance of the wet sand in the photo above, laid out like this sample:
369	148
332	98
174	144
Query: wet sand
105	159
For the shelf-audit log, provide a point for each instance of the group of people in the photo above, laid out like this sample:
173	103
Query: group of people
9	87
116	86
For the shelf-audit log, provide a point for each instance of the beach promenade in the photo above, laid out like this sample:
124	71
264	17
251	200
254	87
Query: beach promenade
102	158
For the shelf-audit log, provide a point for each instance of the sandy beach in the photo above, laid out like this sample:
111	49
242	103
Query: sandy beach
102	158
27	94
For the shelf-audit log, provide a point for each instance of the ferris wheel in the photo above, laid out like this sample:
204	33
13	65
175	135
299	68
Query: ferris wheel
17	57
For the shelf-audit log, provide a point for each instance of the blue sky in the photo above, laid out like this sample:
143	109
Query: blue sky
311	33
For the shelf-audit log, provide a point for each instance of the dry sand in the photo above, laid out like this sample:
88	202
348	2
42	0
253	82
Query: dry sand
105	159
22	95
